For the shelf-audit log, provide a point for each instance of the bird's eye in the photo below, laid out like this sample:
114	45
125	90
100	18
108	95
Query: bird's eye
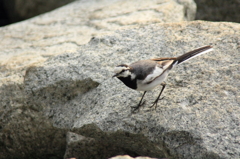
122	71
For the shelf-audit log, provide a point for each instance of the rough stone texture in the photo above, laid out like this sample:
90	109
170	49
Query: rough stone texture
25	130
199	116
63	30
218	10
101	144
40	102
29	135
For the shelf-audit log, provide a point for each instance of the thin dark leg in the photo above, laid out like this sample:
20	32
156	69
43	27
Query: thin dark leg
140	103
156	101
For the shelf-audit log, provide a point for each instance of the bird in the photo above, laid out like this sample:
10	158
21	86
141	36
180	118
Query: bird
145	75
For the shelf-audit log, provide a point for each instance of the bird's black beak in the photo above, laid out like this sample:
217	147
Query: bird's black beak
114	75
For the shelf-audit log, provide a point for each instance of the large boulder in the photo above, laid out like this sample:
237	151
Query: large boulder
28	44
33	41
73	94
198	118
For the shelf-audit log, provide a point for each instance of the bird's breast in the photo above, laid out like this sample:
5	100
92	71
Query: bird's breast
129	82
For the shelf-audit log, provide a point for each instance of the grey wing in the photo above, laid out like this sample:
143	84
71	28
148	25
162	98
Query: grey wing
159	68
143	68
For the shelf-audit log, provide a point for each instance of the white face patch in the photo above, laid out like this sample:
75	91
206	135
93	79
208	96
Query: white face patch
118	69
122	71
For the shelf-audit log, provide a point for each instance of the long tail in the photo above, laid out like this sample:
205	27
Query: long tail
187	56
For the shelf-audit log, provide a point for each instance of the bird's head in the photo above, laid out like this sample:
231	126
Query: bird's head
122	71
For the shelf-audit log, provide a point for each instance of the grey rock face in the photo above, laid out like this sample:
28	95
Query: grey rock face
101	144
24	126
73	92
199	116
64	29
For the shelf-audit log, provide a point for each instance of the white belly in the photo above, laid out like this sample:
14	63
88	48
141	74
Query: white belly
146	87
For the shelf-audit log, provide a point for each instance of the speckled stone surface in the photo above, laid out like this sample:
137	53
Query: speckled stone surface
45	96
199	116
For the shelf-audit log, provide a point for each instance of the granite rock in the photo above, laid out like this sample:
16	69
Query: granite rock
24	126
45	93
199	116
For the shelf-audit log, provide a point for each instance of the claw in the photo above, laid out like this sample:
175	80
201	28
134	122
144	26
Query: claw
135	108
161	98
158	98
155	103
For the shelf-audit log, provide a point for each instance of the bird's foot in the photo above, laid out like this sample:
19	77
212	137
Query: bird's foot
135	108
155	103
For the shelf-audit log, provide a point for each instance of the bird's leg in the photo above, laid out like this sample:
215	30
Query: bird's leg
156	101
140	103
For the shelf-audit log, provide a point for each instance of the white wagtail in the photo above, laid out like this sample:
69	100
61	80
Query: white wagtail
145	75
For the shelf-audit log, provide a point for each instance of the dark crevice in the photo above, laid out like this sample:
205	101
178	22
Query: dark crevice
218	10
